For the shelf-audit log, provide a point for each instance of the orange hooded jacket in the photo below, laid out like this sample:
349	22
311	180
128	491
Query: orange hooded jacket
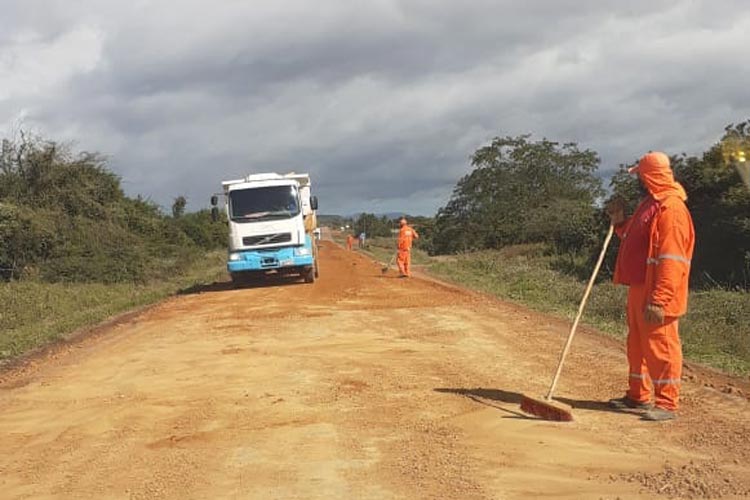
406	236
671	237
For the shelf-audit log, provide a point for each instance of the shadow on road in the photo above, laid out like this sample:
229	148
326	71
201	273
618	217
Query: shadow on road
216	286
224	286
584	404
486	396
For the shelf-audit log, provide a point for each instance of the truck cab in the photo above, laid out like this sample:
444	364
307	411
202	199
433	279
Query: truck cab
272	224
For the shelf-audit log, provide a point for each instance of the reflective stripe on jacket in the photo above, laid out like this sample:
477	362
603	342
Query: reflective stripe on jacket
671	250
670	242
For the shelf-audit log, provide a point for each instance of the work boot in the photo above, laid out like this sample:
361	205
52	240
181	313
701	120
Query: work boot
625	403
657	414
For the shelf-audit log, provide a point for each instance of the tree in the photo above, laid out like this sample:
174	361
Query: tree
178	207
522	191
373	225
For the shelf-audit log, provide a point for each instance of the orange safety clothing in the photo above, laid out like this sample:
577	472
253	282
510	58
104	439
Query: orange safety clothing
671	237
654	260
349	242
404	262
654	354
406	237
634	244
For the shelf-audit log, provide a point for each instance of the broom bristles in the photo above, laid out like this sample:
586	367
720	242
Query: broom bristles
547	409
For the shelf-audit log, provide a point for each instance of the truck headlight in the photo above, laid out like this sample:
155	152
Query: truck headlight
234	257
301	251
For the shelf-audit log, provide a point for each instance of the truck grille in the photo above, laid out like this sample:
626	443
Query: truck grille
267	239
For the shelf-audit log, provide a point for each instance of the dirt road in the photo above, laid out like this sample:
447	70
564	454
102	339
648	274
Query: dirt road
359	386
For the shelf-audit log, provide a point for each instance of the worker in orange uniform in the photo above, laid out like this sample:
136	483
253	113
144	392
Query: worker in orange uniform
406	237
654	262
349	242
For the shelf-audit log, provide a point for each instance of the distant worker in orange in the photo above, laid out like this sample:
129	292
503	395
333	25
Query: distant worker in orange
349	242
654	262
406	237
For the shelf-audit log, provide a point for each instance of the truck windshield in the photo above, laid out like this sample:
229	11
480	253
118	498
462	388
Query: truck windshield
274	202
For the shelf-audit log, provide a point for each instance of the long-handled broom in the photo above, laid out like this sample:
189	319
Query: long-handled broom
545	407
390	263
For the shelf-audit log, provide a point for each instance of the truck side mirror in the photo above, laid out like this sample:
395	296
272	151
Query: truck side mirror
314	202
214	200
215	214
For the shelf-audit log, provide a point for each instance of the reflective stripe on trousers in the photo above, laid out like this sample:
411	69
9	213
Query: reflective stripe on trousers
654	350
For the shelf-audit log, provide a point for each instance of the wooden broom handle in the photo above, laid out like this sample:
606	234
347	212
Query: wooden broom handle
580	312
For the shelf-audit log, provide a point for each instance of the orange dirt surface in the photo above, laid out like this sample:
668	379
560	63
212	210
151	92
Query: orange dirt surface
361	385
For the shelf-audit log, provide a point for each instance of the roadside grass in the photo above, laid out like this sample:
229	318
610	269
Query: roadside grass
715	332
35	313
383	249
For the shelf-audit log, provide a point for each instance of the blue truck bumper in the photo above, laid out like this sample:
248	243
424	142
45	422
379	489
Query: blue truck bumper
268	259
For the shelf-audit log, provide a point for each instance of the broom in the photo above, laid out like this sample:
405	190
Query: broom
388	266
545	407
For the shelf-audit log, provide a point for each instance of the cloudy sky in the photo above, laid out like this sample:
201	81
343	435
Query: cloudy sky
382	100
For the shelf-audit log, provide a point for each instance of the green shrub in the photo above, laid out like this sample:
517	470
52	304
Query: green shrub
26	239
65	218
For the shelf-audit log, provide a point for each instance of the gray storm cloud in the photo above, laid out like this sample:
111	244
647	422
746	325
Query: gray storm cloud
383	101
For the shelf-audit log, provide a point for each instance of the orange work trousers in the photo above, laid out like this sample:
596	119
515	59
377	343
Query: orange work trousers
654	355
404	262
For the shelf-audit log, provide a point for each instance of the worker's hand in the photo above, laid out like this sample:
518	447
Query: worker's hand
615	208
654	314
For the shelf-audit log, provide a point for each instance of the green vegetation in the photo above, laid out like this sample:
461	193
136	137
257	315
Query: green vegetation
720	206
382	249
716	330
384	227
374	226
334	221
65	218
75	249
36	313
524	191
529	215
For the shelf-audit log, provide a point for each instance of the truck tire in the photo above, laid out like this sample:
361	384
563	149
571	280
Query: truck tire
316	265
236	279
309	274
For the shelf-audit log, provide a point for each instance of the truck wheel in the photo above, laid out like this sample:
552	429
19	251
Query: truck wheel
309	274
237	279
316	265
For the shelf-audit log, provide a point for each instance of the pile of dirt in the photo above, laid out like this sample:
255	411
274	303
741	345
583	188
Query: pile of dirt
692	481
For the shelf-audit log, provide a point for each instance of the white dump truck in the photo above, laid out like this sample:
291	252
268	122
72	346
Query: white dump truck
272	226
